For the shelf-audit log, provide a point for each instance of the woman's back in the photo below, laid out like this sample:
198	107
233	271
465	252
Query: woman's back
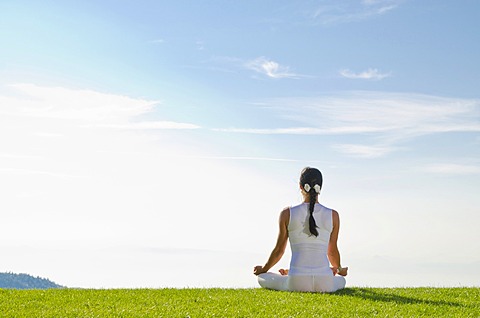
309	252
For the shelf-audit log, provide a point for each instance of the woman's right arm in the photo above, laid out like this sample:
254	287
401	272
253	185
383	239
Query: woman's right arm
279	249
332	252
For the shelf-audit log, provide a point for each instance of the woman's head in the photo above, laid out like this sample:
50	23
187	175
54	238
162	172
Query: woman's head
311	177
311	182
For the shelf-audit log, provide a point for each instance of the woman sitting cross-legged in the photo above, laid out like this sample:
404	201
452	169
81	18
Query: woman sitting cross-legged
313	232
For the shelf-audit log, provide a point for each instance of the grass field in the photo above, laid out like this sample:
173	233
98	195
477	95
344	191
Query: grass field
351	302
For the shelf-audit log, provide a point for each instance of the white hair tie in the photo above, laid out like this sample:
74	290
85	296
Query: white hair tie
317	188
306	187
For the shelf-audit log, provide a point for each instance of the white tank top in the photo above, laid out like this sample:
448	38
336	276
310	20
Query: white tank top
309	252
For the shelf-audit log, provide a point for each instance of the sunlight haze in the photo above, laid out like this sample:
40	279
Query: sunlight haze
154	144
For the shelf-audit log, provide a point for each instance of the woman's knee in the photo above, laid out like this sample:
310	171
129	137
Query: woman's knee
272	281
339	282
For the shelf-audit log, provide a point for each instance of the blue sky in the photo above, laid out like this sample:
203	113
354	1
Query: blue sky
164	138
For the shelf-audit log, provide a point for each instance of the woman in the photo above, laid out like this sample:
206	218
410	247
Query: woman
313	233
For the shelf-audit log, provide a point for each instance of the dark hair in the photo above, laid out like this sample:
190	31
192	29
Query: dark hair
311	176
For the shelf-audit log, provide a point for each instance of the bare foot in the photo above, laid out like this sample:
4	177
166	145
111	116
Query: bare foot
284	272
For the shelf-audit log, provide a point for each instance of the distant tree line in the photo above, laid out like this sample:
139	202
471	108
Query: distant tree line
25	281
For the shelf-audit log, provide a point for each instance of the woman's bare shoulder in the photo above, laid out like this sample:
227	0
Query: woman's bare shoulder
335	217
286	210
285	215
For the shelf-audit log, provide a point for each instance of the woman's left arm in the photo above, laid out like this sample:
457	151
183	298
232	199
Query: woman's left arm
279	249
332	252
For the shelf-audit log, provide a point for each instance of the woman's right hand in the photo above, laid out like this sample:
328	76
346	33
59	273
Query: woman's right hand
257	270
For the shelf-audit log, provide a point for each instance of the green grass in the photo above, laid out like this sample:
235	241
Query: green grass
351	302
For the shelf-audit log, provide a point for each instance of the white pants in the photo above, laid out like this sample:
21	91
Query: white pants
317	283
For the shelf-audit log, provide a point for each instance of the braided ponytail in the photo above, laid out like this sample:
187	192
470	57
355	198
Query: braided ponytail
312	225
311	182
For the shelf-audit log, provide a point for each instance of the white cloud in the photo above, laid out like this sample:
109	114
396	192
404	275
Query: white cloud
71	104
371	73
260	65
87	108
270	68
387	117
398	114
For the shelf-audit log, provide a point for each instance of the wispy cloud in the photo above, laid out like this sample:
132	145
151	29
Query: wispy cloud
378	113
370	74
261	65
270	68
334	12
388	118
74	104
87	108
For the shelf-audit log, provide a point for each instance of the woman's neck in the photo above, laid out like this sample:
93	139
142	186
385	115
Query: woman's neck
307	200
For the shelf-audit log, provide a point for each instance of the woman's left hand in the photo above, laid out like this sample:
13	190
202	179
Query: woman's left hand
343	272
257	270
